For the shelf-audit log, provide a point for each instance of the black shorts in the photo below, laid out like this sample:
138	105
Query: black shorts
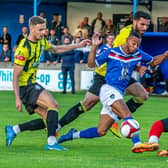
98	81
132	80
29	95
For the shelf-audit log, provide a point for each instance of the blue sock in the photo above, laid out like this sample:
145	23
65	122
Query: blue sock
136	139
89	133
127	118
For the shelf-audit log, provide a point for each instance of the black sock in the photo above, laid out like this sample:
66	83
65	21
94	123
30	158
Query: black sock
52	121
132	105
36	124
71	114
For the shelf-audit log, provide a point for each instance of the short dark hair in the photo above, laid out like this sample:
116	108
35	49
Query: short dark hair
34	20
136	34
142	14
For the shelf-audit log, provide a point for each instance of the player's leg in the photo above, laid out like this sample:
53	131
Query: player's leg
124	113
46	101
90	100
37	99
140	95
157	129
13	131
155	132
106	119
73	113
29	95
109	96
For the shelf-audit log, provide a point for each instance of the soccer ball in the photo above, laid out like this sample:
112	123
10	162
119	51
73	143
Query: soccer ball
130	128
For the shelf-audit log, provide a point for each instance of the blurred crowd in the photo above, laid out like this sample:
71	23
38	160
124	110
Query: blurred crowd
59	34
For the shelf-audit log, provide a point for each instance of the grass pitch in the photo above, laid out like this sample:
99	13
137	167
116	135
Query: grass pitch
28	151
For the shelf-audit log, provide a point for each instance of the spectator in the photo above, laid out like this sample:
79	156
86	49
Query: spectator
163	26
22	35
46	33
81	29
78	52
49	56
66	33
57	25
42	14
52	37
79	35
130	20
6	37
68	65
87	26
109	28
98	23
6	53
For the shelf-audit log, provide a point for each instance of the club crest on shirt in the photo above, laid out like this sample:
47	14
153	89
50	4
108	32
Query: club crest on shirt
112	96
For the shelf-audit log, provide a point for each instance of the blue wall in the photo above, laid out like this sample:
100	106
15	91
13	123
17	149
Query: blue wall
157	43
9	14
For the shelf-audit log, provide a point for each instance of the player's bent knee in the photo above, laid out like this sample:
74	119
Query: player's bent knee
90	103
144	97
54	105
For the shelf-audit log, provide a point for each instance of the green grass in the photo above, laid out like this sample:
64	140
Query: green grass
28	151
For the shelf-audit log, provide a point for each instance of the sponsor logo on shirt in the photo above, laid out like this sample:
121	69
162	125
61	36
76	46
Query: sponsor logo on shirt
20	57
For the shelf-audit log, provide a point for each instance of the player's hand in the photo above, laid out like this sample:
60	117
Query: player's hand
19	104
166	53
97	39
84	42
142	70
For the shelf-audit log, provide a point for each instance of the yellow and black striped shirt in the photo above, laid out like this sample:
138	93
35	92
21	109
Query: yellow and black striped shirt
28	55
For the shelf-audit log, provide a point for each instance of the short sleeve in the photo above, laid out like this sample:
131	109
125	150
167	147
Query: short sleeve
21	55
102	57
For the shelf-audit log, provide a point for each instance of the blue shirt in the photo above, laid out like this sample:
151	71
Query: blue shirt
121	65
101	49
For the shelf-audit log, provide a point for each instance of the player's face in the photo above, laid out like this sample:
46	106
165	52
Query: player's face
39	31
110	40
141	25
133	44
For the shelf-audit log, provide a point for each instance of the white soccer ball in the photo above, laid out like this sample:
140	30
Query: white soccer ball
130	128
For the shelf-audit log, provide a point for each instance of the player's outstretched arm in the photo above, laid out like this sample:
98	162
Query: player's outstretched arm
64	48
159	59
